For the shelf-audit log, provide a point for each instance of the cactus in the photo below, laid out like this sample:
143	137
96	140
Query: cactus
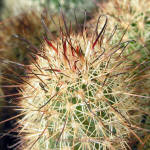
134	15
81	92
84	91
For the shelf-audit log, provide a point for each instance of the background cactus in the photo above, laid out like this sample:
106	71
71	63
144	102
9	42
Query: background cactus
81	93
27	31
134	15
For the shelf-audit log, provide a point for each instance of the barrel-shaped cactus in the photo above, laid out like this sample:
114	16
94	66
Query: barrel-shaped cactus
81	92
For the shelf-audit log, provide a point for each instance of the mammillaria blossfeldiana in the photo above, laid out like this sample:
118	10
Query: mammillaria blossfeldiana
80	93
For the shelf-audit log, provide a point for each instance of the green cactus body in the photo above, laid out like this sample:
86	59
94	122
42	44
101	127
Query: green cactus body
80	94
